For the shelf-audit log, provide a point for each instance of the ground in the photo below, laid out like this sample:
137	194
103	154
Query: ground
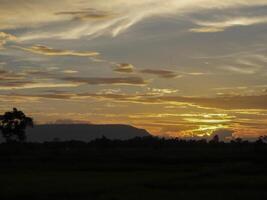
132	173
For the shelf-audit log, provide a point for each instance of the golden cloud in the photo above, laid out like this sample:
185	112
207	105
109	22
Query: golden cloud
124	68
44	50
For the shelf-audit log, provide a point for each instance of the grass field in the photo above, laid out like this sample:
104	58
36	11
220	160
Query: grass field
133	173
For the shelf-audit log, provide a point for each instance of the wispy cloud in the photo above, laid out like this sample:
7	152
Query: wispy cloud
221	25
245	64
44	50
74	19
239	69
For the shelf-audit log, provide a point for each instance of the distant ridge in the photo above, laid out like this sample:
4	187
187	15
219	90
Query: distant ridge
83	132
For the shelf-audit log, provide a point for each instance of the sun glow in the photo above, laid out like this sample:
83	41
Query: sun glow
208	130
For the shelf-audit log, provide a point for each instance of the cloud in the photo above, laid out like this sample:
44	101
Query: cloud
37	73
5	37
224	135
244	64
44	50
6	75
222	102
11	84
3	72
226	103
10	80
161	91
27	84
69	71
206	29
75	19
160	73
73	96
218	26
124	68
87	14
239	69
107	80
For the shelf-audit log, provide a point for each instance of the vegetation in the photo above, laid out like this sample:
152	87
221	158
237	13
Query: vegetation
135	169
13	125
140	168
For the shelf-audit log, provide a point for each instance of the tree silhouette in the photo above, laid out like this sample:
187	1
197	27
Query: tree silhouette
215	140
13	125
263	139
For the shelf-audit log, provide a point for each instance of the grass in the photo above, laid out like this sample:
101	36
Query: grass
134	174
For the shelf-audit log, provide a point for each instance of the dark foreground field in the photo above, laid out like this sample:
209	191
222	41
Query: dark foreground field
147	170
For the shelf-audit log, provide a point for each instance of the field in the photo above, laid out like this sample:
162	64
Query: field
82	171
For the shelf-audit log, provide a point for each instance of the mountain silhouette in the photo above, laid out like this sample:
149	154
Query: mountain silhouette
83	132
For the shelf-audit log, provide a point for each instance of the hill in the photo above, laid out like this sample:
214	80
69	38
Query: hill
83	132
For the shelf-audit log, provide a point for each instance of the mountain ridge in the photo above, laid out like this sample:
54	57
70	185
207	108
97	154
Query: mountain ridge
83	132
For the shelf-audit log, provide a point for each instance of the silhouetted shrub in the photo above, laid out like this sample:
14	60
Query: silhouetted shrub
13	125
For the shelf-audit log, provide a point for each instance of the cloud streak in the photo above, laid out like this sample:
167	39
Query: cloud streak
18	85
160	73
224	103
219	26
106	80
44	50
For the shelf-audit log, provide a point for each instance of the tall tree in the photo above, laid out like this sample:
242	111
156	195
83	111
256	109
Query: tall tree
13	125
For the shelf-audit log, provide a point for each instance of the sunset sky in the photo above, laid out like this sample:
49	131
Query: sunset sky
178	68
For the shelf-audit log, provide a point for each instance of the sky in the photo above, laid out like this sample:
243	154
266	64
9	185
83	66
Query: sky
178	68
